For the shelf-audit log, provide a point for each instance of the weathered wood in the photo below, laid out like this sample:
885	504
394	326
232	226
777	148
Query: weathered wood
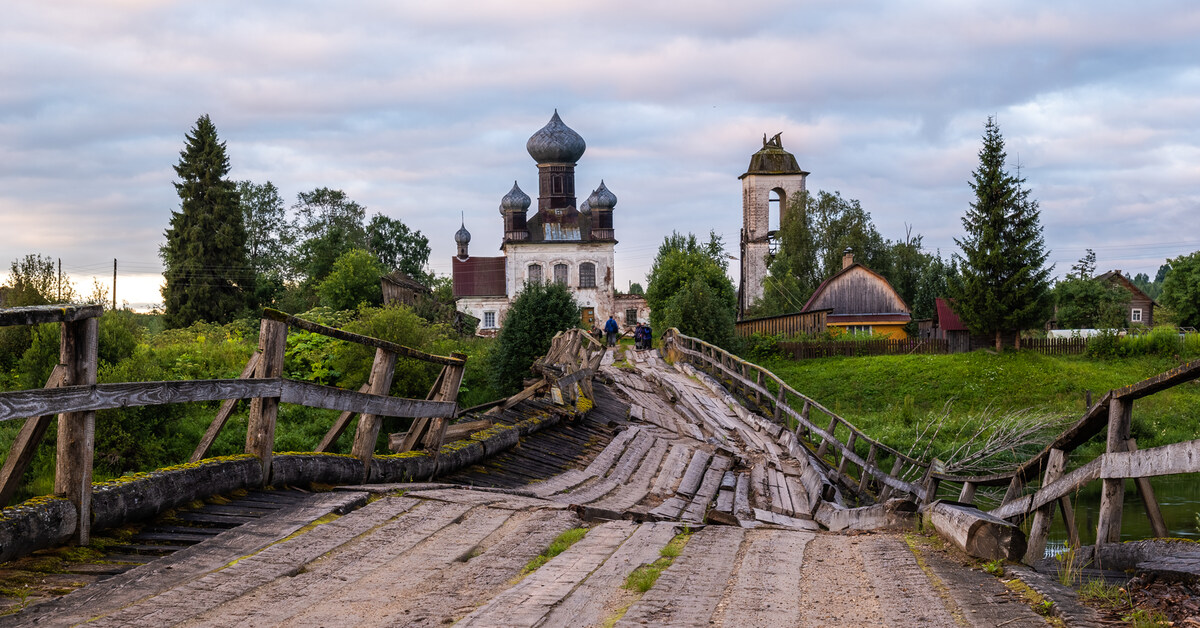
1015	486
40	314
865	475
694	473
887	488
376	343
528	392
967	494
223	413
447	390
23	403
846	452
330	398
25	444
1039	530
1149	500
1068	516
1112	495
260	431
380	382
1149	386
824	448
976	532
339	425
1061	487
79	343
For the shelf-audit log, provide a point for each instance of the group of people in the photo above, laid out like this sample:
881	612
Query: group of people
641	334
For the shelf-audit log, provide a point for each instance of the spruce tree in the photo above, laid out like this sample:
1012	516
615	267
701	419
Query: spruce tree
1003	285
206	269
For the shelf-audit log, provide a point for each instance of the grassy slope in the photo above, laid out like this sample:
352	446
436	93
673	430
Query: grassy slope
887	395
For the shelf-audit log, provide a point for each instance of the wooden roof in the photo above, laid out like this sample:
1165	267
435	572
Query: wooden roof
857	289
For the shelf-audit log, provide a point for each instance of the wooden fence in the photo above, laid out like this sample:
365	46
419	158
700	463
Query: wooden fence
1056	346
797	324
846	454
73	395
882	346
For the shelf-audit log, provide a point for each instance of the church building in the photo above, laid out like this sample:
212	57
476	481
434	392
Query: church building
561	242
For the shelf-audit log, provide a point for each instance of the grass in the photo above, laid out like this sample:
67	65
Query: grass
887	396
1070	567
556	547
643	578
1101	593
1142	618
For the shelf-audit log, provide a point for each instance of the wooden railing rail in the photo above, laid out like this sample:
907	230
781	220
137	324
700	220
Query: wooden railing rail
733	369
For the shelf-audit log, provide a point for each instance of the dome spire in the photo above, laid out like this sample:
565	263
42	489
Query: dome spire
556	143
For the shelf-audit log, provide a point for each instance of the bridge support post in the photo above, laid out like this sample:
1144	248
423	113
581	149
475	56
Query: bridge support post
1039	530
1112	496
77	430
380	382
260	431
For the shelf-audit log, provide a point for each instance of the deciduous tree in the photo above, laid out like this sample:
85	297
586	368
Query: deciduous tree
686	268
536	314
1181	289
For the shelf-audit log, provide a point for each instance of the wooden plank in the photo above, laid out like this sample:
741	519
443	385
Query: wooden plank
977	533
1112	494
1149	500
688	592
707	490
741	497
1174	377
400	350
339	425
1061	487
694	473
967	494
1165	460
223	413
260	431
25	444
1039	530
40	314
76	445
330	398
367	431
445	390
85	398
528	392
672	470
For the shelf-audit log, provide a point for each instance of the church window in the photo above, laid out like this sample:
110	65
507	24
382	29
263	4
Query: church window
557	184
489	320
631	316
535	273
560	274
587	275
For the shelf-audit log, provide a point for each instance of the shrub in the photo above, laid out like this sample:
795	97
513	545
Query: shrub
539	311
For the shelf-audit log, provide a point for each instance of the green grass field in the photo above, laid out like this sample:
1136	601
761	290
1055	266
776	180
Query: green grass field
889	396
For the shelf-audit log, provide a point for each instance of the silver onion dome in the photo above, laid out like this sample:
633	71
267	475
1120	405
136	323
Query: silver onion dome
602	198
585	207
555	143
462	236
515	200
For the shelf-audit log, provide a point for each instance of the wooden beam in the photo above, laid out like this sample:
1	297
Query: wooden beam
1039	530
39	314
1163	381
447	392
977	533
330	398
25	444
223	414
260	430
967	494
77	430
1149	500
333	332
1112	495
23	403
339	425
382	371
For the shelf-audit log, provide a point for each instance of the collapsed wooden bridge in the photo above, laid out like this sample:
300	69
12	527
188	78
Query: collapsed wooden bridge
705	468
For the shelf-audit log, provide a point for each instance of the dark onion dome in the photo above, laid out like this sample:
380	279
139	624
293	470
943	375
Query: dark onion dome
585	207
602	198
515	200
462	236
772	159
555	143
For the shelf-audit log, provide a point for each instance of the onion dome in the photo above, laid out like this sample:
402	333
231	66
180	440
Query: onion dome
555	143
515	200
602	198
462	236
585	206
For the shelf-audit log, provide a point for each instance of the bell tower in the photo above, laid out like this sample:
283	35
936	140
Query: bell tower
769	186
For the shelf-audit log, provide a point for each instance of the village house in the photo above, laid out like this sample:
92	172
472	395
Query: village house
561	242
1141	306
860	302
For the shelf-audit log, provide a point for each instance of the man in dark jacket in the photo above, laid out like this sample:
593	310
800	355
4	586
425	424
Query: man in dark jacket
610	328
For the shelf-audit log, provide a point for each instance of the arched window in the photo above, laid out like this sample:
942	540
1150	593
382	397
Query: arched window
776	206
535	273
560	274
587	275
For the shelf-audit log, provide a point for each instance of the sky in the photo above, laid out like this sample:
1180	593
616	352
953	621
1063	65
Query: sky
420	111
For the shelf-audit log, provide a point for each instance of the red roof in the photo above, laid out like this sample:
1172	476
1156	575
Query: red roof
947	319
479	277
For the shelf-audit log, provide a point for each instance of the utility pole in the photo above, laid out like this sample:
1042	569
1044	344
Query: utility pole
114	307
58	297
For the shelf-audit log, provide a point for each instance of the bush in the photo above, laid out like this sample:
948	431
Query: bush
539	311
354	280
1164	341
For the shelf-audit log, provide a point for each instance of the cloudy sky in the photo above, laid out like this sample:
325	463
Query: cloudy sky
420	110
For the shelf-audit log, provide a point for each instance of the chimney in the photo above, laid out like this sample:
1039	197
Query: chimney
847	258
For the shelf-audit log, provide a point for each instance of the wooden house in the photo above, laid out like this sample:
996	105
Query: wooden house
1141	306
861	302
400	288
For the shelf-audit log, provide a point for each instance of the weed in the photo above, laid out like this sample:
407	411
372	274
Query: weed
556	547
994	567
1070	567
1101	593
1142	618
1044	608
643	578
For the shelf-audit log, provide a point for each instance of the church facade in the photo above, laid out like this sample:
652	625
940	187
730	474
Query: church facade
562	241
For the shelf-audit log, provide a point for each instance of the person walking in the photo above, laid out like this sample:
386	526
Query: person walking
610	328
647	337
637	337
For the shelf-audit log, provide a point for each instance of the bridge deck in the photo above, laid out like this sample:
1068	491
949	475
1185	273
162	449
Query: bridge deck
442	553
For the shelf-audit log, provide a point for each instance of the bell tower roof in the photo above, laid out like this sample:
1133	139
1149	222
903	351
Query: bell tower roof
773	159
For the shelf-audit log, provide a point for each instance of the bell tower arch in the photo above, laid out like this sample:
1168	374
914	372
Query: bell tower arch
773	180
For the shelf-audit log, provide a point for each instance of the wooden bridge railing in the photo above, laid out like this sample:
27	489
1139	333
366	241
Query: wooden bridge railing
878	466
72	393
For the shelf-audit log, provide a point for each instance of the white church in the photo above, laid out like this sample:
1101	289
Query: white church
560	242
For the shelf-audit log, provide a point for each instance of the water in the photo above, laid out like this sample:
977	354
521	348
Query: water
1178	497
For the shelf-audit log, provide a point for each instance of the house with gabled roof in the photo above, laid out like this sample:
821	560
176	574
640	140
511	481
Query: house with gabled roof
861	302
1141	306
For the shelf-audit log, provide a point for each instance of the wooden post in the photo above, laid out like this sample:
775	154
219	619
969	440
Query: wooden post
864	475
887	488
448	391
77	430
1039	530
1068	513
1148	499
1015	487
260	431
339	425
223	414
26	443
967	494
780	399
824	448
758	379
382	370
1112	496
845	459
802	427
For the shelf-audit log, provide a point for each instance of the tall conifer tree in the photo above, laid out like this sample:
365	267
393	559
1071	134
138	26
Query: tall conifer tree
1002	285
205	253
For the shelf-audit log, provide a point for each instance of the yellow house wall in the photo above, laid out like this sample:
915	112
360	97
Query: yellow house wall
890	330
